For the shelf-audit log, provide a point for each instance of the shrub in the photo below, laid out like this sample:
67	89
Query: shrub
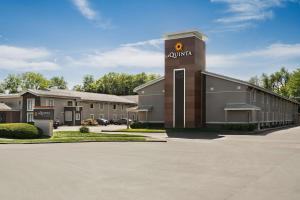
84	129
89	122
147	125
240	127
19	131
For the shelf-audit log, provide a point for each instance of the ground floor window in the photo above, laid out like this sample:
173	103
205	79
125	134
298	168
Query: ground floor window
30	117
77	116
92	116
115	117
101	116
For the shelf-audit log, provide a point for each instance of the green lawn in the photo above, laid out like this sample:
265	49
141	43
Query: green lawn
75	136
141	130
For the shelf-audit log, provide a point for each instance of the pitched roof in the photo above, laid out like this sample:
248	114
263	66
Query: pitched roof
240	106
87	96
134	98
4	107
148	83
221	77
6	96
247	84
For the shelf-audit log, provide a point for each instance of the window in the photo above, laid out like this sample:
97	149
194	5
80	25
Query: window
30	117
267	99
70	103
91	105
114	106
50	102
115	117
77	116
238	87
262	98
262	116
76	103
101	116
254	96
122	107
92	116
68	116
101	106
30	104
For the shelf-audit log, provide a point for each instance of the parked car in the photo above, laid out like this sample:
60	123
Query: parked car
89	122
124	121
55	124
102	121
113	121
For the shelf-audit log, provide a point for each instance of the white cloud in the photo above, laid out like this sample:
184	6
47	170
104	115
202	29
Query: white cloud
85	9
18	58
275	55
88	12
124	56
246	12
153	43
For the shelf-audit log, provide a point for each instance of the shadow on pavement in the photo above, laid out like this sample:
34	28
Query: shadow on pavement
193	135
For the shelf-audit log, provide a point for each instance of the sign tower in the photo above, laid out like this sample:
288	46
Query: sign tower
184	83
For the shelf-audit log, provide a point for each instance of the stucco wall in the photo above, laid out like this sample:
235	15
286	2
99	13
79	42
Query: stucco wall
152	95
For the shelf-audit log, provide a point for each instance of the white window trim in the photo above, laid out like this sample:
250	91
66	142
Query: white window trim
92	116
30	114
180	69
32	104
48	102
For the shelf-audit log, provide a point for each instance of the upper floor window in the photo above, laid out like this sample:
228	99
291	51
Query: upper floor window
262	98
49	102
114	106
91	105
70	103
254	96
30	104
101	106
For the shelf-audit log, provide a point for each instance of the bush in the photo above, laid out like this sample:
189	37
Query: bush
89	122
84	129
147	125
19	131
240	127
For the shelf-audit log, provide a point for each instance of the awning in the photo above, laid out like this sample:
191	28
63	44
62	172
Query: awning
143	108
241	106
4	107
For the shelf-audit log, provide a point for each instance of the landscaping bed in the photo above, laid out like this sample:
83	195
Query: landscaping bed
76	136
137	130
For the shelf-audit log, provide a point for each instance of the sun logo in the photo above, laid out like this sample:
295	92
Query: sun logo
178	46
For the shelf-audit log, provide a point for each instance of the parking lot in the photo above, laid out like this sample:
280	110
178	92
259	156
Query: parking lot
234	167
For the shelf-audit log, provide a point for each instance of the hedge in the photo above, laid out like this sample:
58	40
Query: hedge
240	127
19	131
147	125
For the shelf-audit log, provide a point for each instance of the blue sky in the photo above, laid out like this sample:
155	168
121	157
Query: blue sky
77	37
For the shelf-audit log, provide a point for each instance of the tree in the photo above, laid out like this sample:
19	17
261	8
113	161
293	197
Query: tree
88	83
32	80
12	83
77	88
277	82
293	85
114	83
58	82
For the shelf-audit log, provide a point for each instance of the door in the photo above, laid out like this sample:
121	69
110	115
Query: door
2	117
179	98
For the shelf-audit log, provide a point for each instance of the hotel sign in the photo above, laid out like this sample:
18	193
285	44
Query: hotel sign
179	51
43	114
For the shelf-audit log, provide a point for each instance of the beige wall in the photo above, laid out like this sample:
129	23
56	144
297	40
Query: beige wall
219	92
152	95
14	103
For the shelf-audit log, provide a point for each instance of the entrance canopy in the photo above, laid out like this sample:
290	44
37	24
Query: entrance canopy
4	107
240	106
143	108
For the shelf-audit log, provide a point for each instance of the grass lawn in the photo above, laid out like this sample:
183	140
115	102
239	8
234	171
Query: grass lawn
76	136
141	130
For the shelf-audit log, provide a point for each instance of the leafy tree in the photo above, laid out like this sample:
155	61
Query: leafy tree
293	85
114	83
32	80
277	82
12	83
77	88
88	83
58	82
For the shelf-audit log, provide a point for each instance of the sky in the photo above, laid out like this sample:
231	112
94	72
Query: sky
72	38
